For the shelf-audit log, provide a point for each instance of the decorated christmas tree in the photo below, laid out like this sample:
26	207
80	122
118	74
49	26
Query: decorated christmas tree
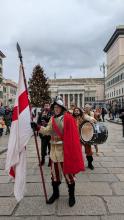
38	87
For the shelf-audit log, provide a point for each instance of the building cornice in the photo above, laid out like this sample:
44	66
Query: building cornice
2	55
119	31
118	69
75	81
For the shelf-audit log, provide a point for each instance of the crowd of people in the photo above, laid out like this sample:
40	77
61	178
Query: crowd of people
5	119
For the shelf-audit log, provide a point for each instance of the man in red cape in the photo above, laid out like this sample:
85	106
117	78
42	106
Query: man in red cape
66	153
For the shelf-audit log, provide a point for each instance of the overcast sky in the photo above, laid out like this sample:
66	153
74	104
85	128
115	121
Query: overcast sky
65	37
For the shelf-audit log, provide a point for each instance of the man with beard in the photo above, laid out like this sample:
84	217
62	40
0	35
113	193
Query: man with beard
80	117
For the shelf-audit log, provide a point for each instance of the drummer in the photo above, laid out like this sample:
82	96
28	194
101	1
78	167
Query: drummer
80	117
89	112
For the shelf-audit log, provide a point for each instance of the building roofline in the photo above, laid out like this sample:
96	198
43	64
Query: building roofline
119	31
74	79
2	55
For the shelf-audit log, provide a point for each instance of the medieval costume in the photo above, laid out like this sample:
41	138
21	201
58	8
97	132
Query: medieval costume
81	117
66	154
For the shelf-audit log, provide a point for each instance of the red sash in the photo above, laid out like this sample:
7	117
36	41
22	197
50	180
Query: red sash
56	129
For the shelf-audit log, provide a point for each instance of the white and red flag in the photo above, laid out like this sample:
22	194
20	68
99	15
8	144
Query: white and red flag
20	134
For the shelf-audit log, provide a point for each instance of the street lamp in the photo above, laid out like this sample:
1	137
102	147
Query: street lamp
103	70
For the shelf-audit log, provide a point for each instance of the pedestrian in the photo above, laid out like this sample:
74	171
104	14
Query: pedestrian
97	113
66	154
121	116
2	125
97	116
43	120
72	106
2	110
8	119
103	113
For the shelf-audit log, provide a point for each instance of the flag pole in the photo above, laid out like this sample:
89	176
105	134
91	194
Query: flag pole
35	137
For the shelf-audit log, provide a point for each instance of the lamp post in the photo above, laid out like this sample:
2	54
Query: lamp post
103	70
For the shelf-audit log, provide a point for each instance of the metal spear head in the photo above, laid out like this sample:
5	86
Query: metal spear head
19	51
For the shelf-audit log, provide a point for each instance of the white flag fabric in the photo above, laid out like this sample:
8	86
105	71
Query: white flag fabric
20	134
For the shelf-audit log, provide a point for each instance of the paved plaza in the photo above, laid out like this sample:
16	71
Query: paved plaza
99	193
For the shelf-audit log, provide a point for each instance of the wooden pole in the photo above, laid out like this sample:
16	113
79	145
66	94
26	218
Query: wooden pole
35	137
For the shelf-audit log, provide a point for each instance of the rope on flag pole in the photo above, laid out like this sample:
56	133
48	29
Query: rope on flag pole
35	137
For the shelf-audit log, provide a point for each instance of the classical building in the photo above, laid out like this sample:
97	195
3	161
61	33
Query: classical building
114	85
78	91
2	56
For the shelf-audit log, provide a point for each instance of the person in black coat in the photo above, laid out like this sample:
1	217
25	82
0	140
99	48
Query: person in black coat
43	120
121	116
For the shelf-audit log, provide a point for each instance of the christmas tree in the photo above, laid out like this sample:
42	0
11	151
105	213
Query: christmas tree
38	87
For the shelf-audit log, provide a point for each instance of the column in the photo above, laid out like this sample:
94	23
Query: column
82	100
68	101
64	99
78	100
73	99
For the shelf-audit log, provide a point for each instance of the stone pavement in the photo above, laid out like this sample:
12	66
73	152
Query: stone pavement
3	143
99	193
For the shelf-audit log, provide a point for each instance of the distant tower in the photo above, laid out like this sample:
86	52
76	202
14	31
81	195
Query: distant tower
55	76
70	77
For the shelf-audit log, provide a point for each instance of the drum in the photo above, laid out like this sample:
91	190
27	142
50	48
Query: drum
90	133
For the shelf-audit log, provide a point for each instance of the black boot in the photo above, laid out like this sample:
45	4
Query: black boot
71	189
49	162
90	160
55	194
43	161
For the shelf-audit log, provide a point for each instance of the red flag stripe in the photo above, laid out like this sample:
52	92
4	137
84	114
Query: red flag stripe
15	113
12	172
23	101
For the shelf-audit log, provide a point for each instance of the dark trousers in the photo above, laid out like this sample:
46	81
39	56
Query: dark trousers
103	118
45	142
88	150
123	128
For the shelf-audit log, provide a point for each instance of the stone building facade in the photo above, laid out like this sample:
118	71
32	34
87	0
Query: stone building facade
8	87
114	85
78	91
9	92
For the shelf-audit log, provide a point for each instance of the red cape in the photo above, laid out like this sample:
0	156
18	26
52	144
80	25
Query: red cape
73	156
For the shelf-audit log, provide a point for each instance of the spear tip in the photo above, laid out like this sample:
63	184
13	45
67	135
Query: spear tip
19	50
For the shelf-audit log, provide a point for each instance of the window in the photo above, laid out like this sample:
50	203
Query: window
122	90
1	94
0	69
4	89
0	61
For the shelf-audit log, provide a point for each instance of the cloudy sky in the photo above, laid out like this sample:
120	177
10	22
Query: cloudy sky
66	37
